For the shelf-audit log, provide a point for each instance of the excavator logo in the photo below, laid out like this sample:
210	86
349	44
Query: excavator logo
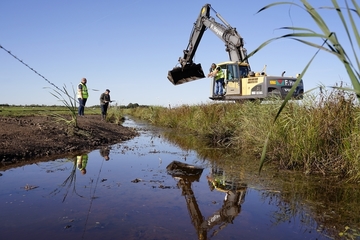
215	29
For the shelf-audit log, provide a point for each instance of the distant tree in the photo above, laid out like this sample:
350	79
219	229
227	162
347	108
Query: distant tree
132	105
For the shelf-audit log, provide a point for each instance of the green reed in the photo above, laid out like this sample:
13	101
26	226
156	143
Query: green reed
318	135
69	101
330	43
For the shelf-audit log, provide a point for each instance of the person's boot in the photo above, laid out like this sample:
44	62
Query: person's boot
102	117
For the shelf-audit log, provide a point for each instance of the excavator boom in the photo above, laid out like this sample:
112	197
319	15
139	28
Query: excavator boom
188	70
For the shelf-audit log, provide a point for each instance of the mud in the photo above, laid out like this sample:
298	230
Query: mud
26	138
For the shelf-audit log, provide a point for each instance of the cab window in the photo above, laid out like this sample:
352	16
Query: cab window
231	73
244	71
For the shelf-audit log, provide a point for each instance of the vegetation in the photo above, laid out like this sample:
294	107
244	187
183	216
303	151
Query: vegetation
69	103
115	115
319	135
61	113
30	110
330	43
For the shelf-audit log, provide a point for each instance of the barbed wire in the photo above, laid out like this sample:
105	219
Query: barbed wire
32	69
47	80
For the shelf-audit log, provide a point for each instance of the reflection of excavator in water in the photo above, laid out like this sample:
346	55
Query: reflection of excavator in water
235	196
240	82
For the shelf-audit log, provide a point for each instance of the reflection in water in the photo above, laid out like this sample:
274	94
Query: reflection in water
277	206
105	152
234	191
327	206
81	162
234	196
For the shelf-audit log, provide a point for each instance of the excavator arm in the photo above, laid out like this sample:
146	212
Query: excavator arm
195	37
189	71
234	45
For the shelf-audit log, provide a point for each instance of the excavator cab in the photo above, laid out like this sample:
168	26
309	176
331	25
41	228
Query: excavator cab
188	73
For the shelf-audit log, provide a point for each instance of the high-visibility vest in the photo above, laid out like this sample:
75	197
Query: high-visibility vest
219	74
81	161
84	91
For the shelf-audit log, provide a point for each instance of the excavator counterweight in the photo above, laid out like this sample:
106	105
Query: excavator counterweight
188	73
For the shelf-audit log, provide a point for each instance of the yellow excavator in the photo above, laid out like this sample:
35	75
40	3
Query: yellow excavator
241	83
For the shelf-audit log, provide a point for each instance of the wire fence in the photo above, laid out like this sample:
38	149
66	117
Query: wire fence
32	69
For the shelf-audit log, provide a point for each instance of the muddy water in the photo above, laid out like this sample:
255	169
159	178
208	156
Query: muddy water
133	195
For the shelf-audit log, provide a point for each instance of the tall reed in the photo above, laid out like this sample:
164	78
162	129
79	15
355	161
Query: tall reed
69	102
330	43
317	135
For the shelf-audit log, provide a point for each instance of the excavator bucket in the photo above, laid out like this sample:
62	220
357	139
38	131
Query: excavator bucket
188	73
184	170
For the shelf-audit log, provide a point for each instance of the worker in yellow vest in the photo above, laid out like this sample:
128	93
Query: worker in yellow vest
82	95
219	76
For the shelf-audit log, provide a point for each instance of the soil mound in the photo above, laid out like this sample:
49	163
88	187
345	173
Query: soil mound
24	138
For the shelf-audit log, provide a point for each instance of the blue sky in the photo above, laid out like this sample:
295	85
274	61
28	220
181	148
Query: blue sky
129	47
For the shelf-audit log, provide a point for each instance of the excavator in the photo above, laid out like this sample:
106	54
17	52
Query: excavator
241	83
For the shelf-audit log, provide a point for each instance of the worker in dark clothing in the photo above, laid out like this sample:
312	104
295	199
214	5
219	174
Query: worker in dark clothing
104	103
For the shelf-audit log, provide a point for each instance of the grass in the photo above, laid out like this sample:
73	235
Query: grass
318	135
70	103
61	113
115	115
36	110
330	44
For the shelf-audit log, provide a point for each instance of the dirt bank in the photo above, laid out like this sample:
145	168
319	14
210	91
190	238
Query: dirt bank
25	138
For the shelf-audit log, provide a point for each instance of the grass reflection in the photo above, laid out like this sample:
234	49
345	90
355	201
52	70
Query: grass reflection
70	182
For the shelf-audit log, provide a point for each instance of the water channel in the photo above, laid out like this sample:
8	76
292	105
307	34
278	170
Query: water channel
148	189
